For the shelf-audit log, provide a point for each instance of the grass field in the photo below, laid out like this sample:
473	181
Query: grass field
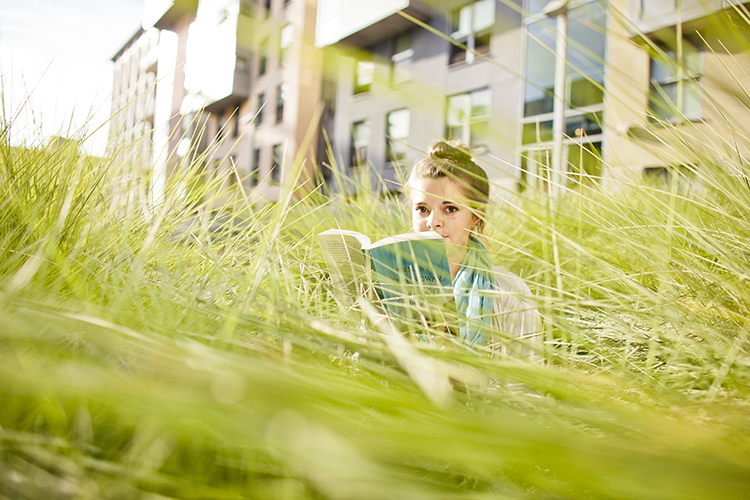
144	356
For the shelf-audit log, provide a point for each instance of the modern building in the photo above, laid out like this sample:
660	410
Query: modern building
133	99
239	84
548	93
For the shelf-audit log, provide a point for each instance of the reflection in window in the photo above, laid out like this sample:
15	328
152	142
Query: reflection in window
467	116
363	75
282	92
396	134
360	143
583	125
586	42
537	131
535	6
585	56
584	163
401	59
472	26
277	156
540	68
286	38
676	93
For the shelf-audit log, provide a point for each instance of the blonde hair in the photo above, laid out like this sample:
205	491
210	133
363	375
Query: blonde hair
454	160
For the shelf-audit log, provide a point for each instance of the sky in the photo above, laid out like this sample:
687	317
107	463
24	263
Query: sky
55	65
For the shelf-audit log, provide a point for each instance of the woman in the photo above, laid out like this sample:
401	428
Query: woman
448	193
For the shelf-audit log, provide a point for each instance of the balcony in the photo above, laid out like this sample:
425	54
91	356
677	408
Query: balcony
361	23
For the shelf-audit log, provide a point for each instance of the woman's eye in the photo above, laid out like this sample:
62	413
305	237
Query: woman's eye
451	209
421	210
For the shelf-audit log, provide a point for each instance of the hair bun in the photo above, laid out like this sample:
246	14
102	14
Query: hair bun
453	151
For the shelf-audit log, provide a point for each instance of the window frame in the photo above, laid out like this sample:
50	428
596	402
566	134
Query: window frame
404	57
277	160
395	143
286	39
359	87
676	112
471	34
281	97
356	158
470	121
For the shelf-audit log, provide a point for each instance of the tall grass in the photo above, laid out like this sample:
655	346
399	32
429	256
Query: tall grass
145	354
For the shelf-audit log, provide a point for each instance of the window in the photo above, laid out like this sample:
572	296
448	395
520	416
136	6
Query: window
241	64
220	126
277	156
401	59
471	26
263	49
396	135
363	76
236	123
259	112
232	174
467	116
281	97
255	167
675	93
286	38
360	143
585	55
583	110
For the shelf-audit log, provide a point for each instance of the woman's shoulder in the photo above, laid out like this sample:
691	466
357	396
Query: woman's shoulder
510	282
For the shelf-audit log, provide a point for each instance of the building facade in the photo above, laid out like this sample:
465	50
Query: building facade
133	99
239	84
271	94
548	93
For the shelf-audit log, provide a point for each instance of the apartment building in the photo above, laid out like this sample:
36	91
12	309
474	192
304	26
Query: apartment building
398	83
548	93
133	100
241	88
681	63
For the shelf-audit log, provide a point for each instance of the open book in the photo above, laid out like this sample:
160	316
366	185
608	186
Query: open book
409	272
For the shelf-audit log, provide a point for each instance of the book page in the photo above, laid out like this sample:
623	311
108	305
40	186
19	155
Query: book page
344	257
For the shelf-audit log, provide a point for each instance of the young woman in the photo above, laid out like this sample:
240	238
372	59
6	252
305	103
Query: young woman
448	193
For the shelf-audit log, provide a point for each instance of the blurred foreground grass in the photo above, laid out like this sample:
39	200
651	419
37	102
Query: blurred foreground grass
144	356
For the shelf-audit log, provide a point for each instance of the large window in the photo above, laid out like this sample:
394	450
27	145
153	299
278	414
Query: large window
364	74
286	37
471	26
397	134
675	94
282	92
360	143
402	58
467	116
583	109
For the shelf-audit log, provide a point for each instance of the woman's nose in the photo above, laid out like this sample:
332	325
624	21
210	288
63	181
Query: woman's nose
434	221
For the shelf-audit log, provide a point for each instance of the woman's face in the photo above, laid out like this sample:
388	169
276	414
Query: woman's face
440	205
